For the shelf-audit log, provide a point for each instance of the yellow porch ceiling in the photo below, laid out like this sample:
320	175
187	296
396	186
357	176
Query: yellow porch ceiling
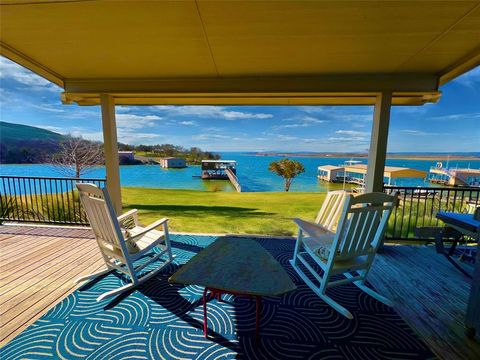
205	42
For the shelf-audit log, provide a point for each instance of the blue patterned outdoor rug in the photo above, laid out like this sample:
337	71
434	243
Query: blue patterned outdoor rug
163	321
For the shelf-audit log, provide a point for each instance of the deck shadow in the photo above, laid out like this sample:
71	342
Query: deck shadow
200	210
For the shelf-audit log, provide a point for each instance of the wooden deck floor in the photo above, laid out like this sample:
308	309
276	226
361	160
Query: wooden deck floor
430	294
39	264
37	268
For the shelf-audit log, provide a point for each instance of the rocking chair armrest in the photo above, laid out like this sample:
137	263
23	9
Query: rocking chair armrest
131	213
149	228
308	226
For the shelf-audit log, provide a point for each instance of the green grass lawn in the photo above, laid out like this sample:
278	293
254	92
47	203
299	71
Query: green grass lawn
223	212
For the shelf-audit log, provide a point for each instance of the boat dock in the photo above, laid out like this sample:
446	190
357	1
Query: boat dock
353	172
454	177
221	170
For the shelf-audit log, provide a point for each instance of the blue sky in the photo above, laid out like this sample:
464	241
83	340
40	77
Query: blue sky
452	125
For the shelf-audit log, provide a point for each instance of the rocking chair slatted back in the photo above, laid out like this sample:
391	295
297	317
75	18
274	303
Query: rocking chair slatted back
101	215
331	210
362	225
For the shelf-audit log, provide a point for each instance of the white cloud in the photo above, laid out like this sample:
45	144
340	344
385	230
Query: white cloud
49	108
354	133
357	116
421	133
470	79
188	123
130	137
287	137
360	137
210	111
456	117
56	129
207	136
131	121
87	134
75	131
300	122
13	71
413	110
126	108
336	139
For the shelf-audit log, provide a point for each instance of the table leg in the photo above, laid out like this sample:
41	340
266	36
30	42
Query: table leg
257	318
452	249
205	325
445	232
439	241
218	293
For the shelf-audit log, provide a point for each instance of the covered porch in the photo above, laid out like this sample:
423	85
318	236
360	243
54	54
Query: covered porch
264	53
244	53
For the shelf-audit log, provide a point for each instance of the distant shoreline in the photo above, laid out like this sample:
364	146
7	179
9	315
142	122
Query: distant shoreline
428	157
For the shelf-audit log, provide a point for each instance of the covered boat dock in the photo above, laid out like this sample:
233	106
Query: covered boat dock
217	169
455	177
221	170
356	173
331	173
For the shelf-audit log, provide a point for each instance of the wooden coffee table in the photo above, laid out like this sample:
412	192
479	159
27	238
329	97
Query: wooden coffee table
235	266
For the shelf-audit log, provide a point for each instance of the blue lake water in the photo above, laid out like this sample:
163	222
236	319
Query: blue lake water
252	172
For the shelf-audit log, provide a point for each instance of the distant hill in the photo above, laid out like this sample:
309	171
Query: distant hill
26	144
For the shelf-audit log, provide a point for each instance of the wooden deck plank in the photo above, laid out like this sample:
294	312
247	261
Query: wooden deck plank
27	317
47	272
11	308
17	243
39	255
27	269
33	251
38	270
5	237
430	294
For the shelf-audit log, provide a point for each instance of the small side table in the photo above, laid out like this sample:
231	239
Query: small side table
235	266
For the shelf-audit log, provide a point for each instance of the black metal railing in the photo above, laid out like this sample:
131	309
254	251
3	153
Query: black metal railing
418	206
54	200
50	200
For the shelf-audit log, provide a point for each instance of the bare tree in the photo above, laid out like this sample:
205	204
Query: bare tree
77	156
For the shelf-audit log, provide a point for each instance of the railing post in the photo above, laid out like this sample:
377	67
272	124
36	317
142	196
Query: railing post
111	151
378	142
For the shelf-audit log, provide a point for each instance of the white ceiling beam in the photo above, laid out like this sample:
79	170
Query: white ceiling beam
345	89
419	98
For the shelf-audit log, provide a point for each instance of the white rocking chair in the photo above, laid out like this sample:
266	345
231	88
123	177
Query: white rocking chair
120	248
349	250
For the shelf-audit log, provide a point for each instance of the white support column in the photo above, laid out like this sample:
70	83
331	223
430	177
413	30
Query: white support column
111	151
378	142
